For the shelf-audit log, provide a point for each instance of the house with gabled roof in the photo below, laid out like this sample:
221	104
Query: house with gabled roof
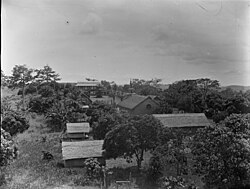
75	153
77	131
138	104
185	120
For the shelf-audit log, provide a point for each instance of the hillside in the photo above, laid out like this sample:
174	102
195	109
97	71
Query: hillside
237	88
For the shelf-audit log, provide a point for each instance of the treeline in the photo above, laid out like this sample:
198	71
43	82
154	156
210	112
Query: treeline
204	95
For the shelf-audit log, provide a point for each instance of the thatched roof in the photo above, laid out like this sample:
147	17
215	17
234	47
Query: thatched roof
78	127
82	149
132	101
183	120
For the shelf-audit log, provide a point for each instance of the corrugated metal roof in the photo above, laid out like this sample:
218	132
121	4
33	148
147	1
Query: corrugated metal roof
82	149
86	84
183	120
78	127
132	101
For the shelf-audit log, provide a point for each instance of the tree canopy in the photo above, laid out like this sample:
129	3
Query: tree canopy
46	74
138	135
222	152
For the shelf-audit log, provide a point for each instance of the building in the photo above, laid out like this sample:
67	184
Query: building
138	105
75	153
186	120
77	131
92	87
155	98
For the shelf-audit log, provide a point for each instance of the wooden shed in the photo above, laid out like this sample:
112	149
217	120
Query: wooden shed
75	153
77	130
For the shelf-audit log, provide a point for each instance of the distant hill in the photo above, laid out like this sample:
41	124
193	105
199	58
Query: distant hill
237	88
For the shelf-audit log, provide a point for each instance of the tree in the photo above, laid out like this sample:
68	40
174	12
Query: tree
106	122
138	135
173	149
184	95
46	75
206	85
4	79
222	152
21	76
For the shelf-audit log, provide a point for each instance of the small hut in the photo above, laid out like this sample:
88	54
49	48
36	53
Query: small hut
77	131
75	153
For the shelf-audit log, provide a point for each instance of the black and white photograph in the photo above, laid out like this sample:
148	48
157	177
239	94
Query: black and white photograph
125	94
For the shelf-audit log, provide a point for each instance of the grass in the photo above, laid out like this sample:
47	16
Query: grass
29	170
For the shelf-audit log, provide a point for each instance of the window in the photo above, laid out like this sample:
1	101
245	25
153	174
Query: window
148	106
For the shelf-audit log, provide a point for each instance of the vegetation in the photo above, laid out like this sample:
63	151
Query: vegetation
14	123
8	150
21	76
222	152
134	138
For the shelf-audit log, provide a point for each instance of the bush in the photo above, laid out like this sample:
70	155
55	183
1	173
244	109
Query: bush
14	123
93	168
46	91
8	150
40	105
155	170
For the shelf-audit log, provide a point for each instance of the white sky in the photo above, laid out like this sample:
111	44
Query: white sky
121	39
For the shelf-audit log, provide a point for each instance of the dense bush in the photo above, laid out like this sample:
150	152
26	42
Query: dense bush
46	91
8	150
93	169
14	123
40	105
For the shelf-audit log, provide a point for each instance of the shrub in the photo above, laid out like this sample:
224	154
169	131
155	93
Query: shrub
46	91
155	169
82	181
40	105
14	123
172	182
93	168
8	150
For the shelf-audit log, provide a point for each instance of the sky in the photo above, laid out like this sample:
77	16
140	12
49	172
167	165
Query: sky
118	40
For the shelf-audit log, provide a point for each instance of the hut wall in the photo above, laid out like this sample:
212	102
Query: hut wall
80	162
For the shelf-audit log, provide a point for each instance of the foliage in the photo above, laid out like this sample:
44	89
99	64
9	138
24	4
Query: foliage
106	122
40	105
172	182
155	170
133	138
222	152
93	169
14	123
173	149
144	87
46	91
21	76
46	74
8	150
5	105
4	79
184	95
205	85
67	107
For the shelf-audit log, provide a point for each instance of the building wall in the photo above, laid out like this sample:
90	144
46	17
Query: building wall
76	135
80	162
143	108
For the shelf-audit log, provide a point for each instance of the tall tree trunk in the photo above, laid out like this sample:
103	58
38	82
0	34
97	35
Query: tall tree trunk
23	86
